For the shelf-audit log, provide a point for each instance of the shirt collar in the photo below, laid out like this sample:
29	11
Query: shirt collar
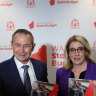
19	64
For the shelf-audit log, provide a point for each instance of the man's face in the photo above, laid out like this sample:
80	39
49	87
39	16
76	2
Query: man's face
22	47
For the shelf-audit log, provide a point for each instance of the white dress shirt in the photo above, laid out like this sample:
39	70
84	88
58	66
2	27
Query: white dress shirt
30	71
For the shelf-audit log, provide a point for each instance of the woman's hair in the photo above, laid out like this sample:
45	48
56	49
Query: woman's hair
68	63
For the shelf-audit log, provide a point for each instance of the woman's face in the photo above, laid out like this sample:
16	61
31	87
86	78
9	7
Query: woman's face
77	52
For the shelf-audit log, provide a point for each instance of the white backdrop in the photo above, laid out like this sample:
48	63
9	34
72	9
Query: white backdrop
51	22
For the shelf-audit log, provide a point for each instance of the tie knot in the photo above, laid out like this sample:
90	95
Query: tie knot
25	67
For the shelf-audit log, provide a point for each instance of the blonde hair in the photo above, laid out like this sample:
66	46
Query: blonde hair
82	40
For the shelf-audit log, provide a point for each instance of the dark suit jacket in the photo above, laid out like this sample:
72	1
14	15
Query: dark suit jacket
62	77
10	81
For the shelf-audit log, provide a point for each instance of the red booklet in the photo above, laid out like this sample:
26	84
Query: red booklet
81	87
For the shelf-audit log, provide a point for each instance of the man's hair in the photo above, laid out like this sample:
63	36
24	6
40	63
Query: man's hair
25	32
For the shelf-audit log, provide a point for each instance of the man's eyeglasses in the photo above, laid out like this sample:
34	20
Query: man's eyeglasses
79	50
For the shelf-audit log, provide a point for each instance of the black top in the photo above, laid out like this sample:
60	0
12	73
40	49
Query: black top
82	75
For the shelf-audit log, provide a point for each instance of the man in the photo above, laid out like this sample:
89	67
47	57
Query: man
12	72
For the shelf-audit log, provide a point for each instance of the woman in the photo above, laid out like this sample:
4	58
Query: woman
78	63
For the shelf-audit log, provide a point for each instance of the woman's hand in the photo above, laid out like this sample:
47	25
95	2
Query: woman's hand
94	83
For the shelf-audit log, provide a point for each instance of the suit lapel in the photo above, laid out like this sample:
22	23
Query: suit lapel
36	69
15	74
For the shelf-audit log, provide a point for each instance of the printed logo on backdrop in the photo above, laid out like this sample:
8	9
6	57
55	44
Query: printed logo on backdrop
31	25
95	24
53	2
10	26
6	3
75	24
94	3
6	47
31	3
42	24
57	55
41	54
